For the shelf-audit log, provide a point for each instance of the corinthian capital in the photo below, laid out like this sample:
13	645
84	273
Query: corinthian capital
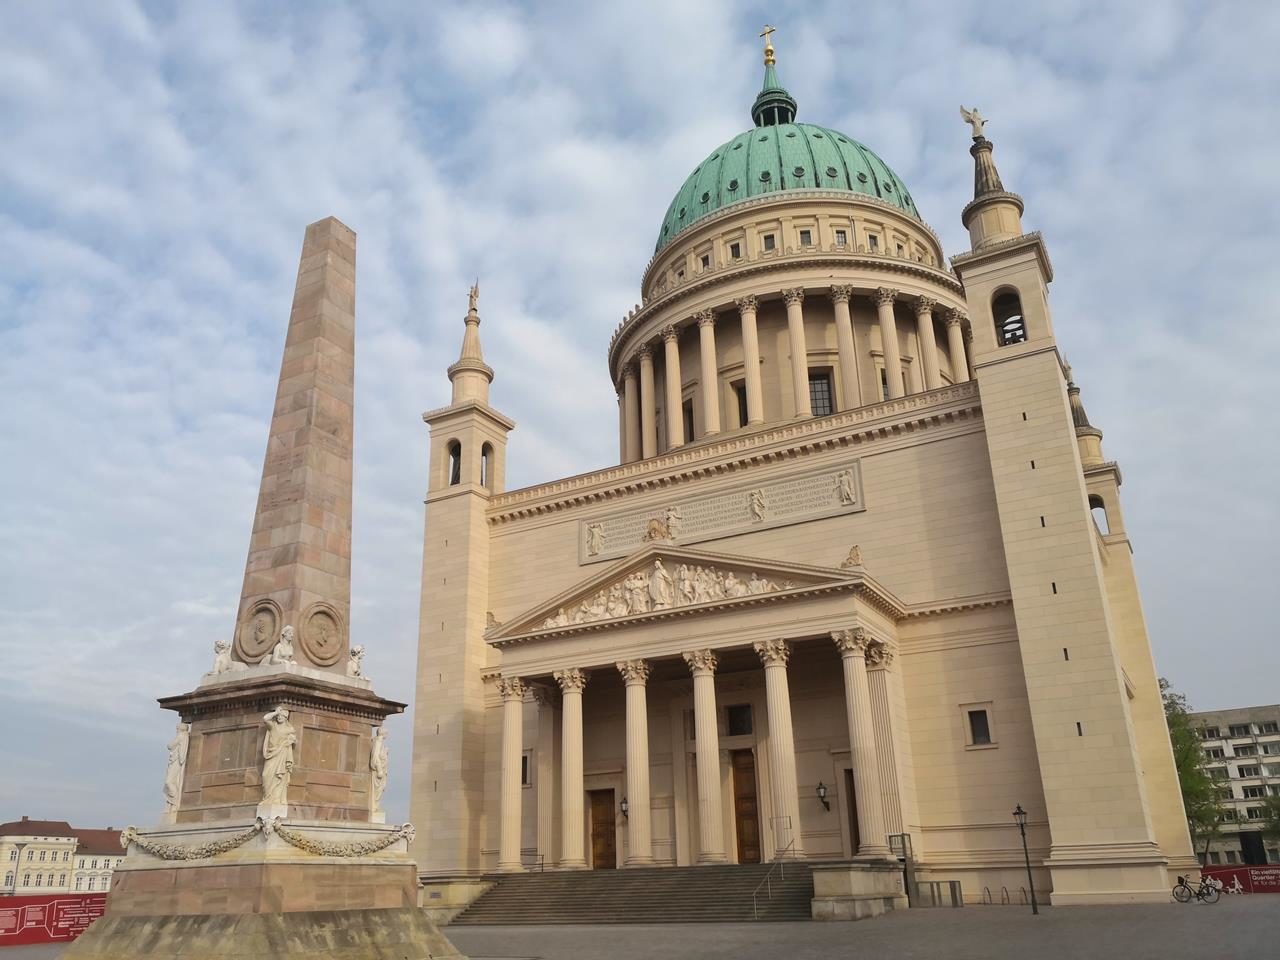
852	642
634	671
511	688
772	652
925	305
841	293
747	304
885	295
793	296
879	654
670	332
644	354
571	680
705	318
700	661
954	316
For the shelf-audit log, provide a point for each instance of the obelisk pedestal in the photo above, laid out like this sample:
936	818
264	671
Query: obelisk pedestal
274	843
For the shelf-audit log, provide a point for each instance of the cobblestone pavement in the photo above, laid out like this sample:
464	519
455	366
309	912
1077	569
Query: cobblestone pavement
1236	927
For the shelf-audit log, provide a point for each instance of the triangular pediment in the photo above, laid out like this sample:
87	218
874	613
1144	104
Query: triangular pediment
662	580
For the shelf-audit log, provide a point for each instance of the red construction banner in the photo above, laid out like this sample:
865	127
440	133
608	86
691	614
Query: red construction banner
54	918
1246	879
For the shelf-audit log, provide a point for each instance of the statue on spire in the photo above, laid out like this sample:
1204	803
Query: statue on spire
974	119
767	33
473	295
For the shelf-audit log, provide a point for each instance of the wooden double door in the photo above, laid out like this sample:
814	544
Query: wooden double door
604	830
746	805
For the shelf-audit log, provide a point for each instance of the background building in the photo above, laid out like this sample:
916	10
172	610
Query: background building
51	856
1242	752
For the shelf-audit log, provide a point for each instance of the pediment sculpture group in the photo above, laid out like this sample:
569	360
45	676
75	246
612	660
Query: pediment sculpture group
657	588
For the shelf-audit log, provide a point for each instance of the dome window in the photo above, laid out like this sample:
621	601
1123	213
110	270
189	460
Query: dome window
862	178
733	184
791	135
737	146
817	136
764	139
715	156
682	213
888	187
798	171
765	176
705	196
832	172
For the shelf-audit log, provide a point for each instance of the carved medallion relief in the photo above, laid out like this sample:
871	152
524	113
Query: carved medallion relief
259	631
323	636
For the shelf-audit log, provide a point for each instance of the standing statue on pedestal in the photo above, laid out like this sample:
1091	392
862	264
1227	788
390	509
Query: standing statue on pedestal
975	120
277	755
177	762
379	764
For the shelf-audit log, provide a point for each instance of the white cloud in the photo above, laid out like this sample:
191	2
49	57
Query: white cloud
161	164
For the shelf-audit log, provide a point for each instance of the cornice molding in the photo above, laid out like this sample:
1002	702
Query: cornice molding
1033	240
465	407
917	411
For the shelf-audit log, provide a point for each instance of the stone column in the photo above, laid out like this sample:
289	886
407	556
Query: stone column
639	832
751	359
852	645
572	823
648	406
844	342
675	409
710	375
702	664
799	351
968	352
631	413
782	748
879	658
512	690
928	342
955	343
885	298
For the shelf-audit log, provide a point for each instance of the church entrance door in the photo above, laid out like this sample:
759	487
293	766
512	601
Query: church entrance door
854	839
746	814
604	849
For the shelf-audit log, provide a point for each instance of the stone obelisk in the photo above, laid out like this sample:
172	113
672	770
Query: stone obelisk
274	842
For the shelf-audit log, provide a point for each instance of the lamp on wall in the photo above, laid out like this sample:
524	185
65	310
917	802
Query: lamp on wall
624	806
822	795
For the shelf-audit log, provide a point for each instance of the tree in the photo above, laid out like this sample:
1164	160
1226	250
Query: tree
1200	797
1270	825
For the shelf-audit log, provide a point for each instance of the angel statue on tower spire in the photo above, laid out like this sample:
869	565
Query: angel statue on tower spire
473	295
974	119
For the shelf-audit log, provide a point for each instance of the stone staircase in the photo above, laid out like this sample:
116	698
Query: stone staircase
647	895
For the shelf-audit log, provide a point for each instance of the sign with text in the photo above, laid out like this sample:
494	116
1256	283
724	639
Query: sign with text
1246	879
54	918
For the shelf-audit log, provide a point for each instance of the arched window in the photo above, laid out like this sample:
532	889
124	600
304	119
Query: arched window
486	466
1099	511
455	463
1011	326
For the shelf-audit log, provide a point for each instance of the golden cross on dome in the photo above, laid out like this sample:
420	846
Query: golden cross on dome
767	33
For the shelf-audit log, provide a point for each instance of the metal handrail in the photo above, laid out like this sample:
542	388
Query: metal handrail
539	861
778	864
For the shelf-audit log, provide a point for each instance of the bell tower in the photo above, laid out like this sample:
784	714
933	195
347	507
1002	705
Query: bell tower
467	467
1095	706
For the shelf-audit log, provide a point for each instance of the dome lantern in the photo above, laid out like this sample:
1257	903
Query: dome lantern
773	105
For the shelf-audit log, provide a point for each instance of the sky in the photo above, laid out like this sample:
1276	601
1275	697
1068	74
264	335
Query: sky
161	161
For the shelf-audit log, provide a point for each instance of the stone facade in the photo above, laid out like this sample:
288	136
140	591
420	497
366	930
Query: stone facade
893	453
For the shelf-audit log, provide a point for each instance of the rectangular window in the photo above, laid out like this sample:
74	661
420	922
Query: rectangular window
680	274
686	411
1239	730
1253	813
1229	815
901	251
806	238
706	261
1225	793
1214	753
820	394
735	251
1247	771
1254	793
526	769
842	238
42	855
1246	750
740	391
739	719
873	242
979	728
1218	773
1231	855
1271	727
1210	733
769	242
1271	749
1273	855
884	385
1215	857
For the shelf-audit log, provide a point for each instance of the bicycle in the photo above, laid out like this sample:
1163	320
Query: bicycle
1209	890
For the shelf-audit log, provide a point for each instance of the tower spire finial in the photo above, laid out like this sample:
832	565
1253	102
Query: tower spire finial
767	33
471	376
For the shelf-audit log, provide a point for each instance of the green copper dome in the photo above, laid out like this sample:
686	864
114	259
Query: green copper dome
780	155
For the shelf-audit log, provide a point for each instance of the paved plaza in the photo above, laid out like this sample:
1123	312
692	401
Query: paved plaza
1235	927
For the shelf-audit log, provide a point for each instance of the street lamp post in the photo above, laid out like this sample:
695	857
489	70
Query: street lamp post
17	866
1020	816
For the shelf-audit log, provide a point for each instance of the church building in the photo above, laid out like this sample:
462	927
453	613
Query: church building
858	586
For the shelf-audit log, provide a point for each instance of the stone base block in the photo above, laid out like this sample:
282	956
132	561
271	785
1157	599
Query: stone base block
856	891
443	898
394	934
1120	873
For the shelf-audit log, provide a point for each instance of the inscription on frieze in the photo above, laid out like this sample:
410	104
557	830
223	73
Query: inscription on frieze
688	520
